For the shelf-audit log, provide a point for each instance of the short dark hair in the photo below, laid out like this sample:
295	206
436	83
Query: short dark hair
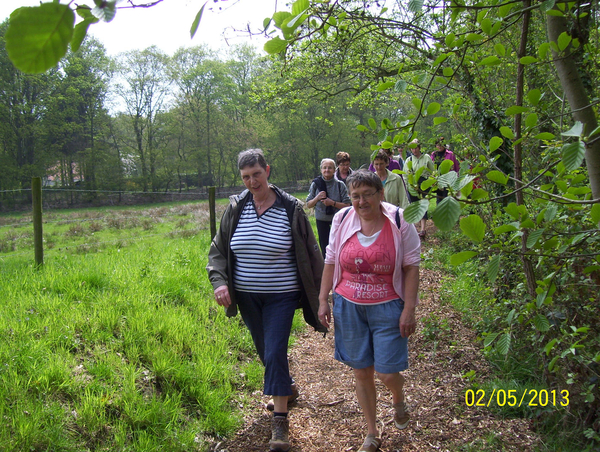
364	177
251	157
342	157
383	154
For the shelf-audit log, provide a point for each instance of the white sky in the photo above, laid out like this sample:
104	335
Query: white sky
167	25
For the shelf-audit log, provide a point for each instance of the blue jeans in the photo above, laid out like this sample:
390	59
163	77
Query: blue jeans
269	318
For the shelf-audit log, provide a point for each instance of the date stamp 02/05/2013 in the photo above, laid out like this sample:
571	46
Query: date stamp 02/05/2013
512	397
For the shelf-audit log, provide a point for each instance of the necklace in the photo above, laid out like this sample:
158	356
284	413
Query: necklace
261	205
372	228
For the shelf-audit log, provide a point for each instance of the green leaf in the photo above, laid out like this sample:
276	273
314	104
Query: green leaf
400	86
507	132
543	50
495	143
417	103
448	72
534	96
196	22
575	131
486	26
361	128
528	60
505	228
473	37
372	124
490	61
503	344
498	177
416	210
595	213
573	154
552	363
547	5
493	268
299	6
511	316
440	59
563	41
433	108
266	23
473	227
595	131
489	339
463	256
446	214
414	6
105	10
500	50
515	109
479	193
382	135
531	120
280	17
533	237
445	166
550	212
38	37
80	32
439	120
450	39
549	346
385	86
541	323
544	136
275	45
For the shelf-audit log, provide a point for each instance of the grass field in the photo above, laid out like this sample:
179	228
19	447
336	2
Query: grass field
115	343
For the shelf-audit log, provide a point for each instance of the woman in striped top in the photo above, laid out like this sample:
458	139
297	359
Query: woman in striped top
265	261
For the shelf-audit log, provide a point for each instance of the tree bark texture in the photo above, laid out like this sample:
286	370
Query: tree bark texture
578	99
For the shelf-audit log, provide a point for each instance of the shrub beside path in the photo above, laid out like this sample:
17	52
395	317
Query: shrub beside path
327	417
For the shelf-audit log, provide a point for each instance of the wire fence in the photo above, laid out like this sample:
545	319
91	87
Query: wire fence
17	231
61	198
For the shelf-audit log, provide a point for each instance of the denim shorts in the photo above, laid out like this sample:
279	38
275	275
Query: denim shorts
367	335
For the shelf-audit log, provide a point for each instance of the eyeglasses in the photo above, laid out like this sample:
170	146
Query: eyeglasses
364	196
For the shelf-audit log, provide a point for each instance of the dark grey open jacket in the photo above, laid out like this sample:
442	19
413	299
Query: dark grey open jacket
309	260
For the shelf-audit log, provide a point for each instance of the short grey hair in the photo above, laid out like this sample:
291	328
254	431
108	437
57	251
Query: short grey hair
328	160
364	177
251	157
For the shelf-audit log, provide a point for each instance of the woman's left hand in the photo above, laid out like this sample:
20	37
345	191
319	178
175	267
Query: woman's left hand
328	202
408	322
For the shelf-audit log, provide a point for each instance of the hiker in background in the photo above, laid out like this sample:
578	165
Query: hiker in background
343	166
442	153
393	163
372	266
418	160
327	195
265	261
393	184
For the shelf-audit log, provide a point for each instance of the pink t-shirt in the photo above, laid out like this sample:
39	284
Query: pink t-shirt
368	271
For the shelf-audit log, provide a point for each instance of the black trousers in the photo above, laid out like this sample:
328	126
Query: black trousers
323	229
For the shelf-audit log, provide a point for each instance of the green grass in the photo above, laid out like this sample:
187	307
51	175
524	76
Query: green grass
115	343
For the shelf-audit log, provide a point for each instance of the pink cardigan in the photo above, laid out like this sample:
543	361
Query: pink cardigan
406	243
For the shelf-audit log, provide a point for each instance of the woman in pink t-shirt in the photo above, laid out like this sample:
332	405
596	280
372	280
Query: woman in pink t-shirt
372	266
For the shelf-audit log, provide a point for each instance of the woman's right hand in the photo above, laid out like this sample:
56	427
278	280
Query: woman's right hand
222	296
324	313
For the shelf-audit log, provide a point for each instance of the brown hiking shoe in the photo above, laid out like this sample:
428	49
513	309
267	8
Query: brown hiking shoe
291	399
401	417
280	441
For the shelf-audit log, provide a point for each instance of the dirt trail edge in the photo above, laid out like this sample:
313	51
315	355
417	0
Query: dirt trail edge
327	417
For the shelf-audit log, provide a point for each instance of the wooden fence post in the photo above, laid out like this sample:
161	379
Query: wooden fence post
38	237
212	209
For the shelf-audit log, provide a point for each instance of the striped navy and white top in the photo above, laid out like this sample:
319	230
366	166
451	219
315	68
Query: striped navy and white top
263	249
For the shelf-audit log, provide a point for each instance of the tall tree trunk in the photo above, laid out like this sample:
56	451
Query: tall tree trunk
578	98
518	157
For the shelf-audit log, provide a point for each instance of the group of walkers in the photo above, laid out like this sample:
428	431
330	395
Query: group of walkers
265	261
